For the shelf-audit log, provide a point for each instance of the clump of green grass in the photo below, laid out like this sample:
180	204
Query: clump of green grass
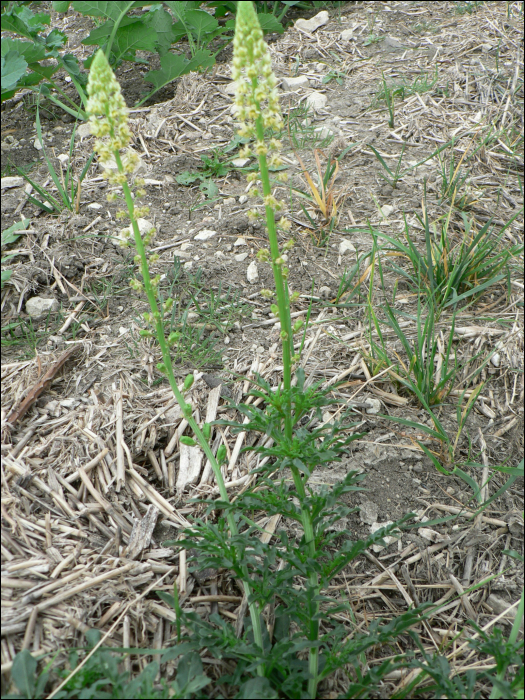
454	272
422	83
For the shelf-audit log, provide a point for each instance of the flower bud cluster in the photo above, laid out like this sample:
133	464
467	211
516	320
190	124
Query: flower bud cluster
109	122
106	101
256	98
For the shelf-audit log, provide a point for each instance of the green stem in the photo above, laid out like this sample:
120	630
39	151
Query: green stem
283	304
166	357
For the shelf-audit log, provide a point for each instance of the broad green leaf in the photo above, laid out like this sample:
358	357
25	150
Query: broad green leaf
22	21
13	68
173	66
23	673
31	52
134	37
9	236
160	20
109	10
209	188
187	178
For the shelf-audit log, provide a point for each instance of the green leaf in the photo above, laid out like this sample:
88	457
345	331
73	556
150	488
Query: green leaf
173	66
109	10
31	52
187	441
470	481
133	37
159	20
187	178
258	687
8	236
209	188
13	68
23	673
204	27
5	275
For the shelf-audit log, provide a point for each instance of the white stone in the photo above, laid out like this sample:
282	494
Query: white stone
37	144
228	202
83	131
144	226
69	403
243	199
240	162
347	34
368	512
219	254
63	158
296	83
375	406
94	205
149	181
37	307
205	234
324	131
239	241
430	535
496	359
252	274
346	247
316	100
241	257
8	182
310	25
386	210
188	265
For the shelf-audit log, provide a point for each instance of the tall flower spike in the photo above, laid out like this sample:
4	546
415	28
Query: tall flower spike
252	70
106	101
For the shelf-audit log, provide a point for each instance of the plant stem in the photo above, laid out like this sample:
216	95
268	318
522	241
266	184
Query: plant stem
283	304
166	357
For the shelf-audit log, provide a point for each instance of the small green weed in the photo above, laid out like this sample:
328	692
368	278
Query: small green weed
350	283
64	181
462	8
21	334
214	165
424	27
10	236
299	128
198	315
424	82
336	75
372	39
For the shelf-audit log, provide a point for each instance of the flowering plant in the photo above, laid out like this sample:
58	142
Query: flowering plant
289	418
109	122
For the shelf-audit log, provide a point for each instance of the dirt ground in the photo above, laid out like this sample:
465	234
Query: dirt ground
456	69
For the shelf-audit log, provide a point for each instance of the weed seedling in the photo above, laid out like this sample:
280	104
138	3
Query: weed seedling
64	182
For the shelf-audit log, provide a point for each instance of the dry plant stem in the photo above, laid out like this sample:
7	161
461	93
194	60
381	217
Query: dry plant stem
283	303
